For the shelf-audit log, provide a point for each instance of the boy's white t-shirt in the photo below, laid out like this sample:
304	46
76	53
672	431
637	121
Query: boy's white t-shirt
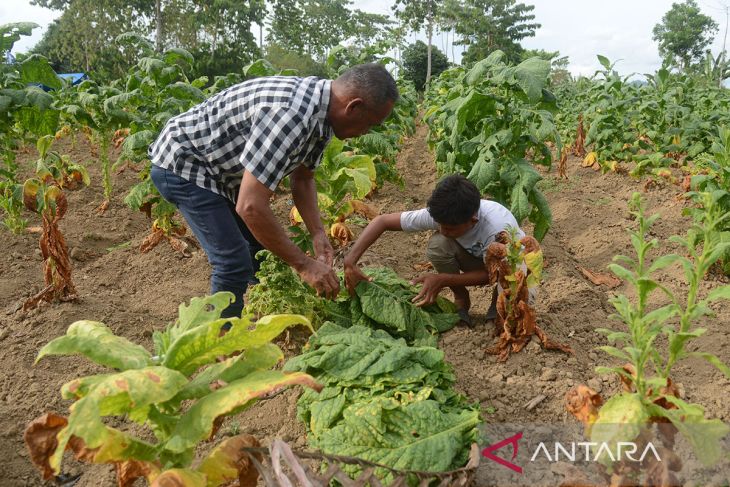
493	218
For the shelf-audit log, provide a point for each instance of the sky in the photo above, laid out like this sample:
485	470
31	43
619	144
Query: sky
579	29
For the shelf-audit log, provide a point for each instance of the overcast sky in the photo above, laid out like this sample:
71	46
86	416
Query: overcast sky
579	29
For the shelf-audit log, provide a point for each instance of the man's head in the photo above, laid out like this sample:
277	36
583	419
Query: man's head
361	98
454	204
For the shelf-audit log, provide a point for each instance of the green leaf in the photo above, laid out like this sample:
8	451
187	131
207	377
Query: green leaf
415	436
484	172
723	292
197	422
532	76
620	419
254	359
604	61
662	314
615	352
392	307
663	261
203	344
116	394
184	91
36	69
175	54
96	341
704	435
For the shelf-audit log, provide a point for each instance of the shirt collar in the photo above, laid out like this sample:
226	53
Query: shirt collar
321	114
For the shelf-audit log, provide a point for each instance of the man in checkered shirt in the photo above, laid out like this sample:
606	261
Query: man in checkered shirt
220	162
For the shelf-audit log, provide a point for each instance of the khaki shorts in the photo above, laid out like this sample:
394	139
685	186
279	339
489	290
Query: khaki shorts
448	257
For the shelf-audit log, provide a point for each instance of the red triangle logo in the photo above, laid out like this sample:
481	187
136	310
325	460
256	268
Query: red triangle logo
512	440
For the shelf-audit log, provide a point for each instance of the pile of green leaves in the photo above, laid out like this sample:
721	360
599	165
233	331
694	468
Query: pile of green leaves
280	290
180	392
383	303
384	401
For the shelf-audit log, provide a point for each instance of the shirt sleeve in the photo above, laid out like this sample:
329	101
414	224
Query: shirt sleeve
273	144
417	221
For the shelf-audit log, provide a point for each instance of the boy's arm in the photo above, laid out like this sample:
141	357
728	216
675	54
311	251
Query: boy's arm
353	274
434	283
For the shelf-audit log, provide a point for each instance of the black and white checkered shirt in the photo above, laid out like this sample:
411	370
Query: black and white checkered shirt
267	126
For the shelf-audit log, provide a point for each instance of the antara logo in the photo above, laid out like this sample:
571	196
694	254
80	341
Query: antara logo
574	451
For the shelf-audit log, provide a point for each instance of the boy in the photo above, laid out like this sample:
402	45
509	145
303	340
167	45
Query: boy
464	226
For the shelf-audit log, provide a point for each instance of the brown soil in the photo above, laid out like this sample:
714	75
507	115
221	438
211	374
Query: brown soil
137	293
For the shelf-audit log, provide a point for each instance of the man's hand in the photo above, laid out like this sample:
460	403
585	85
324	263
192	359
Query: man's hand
432	285
353	276
323	248
321	277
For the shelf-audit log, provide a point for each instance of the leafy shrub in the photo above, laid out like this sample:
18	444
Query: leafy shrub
181	392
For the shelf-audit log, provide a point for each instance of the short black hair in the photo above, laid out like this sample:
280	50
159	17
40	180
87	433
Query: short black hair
372	82
454	201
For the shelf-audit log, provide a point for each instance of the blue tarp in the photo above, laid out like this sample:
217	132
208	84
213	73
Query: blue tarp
74	78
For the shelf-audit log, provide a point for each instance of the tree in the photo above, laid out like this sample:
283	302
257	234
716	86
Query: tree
217	33
488	25
684	33
281	58
311	27
415	63
414	13
82	39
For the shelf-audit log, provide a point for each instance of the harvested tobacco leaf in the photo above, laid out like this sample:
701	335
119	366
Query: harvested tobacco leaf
600	279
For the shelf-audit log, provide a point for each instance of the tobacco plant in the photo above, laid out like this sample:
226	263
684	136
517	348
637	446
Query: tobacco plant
44	195
493	122
179	393
649	395
516	266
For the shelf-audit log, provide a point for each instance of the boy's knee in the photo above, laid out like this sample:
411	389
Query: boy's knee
440	248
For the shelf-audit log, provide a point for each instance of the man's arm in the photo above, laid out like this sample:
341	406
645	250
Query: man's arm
253	207
304	193
379	224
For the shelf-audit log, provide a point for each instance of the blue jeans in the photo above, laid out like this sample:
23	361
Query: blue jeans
228	243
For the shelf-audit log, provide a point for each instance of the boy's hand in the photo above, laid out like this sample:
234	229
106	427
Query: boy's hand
432	285
353	276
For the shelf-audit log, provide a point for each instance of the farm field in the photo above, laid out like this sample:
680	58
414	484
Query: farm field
135	294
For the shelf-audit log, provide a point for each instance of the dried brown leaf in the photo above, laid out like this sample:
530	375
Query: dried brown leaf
583	403
341	233
363	209
600	279
40	439
151	240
